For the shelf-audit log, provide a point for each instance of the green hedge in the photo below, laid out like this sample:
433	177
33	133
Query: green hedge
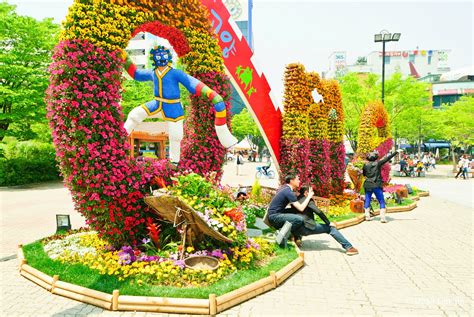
27	162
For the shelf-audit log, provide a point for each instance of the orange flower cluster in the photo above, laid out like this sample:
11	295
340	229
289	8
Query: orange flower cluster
371	131
297	97
333	102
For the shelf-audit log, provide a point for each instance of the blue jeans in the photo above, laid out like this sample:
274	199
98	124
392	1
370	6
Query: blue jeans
278	220
378	194
320	228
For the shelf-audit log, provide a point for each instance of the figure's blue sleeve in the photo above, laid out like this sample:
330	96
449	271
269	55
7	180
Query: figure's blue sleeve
143	75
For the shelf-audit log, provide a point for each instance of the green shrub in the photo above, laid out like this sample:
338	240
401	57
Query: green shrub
250	217
27	162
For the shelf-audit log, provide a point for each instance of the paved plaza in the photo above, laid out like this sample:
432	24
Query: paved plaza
419	263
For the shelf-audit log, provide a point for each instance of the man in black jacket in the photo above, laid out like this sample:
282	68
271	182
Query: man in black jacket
373	182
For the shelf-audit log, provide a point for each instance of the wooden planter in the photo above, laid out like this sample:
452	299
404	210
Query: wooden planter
115	301
356	220
424	194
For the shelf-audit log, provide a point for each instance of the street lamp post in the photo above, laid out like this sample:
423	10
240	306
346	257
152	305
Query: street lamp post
385	36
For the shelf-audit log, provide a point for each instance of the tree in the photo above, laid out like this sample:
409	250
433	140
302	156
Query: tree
25	53
407	102
134	94
417	124
356	93
455	123
243	125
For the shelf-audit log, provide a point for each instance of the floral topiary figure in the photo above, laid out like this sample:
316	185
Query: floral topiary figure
167	103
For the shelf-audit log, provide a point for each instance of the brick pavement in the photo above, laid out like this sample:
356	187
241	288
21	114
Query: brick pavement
420	263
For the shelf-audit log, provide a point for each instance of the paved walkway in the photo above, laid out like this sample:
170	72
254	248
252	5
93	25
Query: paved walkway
420	263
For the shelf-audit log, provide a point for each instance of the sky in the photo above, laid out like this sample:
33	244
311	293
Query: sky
287	31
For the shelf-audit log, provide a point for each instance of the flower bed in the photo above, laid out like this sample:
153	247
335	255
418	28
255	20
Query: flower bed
106	269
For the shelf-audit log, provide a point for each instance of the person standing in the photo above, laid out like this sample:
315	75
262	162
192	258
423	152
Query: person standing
239	161
373	182
466	166
433	162
460	167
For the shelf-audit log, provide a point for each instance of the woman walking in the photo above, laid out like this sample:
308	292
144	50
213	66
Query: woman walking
373	182
461	164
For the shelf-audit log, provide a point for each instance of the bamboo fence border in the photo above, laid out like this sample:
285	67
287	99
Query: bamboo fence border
116	302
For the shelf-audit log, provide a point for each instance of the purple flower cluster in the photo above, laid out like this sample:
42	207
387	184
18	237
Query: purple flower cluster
126	255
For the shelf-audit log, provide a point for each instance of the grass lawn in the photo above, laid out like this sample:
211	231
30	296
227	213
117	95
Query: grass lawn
405	202
84	276
339	218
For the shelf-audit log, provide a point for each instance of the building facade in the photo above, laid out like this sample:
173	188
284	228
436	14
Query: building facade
417	63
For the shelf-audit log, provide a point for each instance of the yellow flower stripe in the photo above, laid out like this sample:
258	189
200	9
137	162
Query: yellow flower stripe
164	273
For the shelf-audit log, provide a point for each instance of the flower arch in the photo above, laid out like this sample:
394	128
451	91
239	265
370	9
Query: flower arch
86	118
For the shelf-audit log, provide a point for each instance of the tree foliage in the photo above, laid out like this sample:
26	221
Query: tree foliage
25	53
243	125
406	101
356	93
455	122
135	94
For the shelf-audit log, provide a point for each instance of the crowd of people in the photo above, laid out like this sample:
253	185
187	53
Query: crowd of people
412	165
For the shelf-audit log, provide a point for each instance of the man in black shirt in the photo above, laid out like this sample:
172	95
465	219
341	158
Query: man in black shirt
278	214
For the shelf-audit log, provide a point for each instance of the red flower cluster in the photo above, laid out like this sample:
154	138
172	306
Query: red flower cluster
173	35
295	159
153	231
380	122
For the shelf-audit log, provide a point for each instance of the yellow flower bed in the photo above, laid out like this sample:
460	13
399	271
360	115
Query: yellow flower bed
103	24
165	271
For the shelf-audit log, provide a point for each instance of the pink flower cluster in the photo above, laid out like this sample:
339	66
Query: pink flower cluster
393	188
201	151
91	143
383	149
337	154
317	162
319	167
295	159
